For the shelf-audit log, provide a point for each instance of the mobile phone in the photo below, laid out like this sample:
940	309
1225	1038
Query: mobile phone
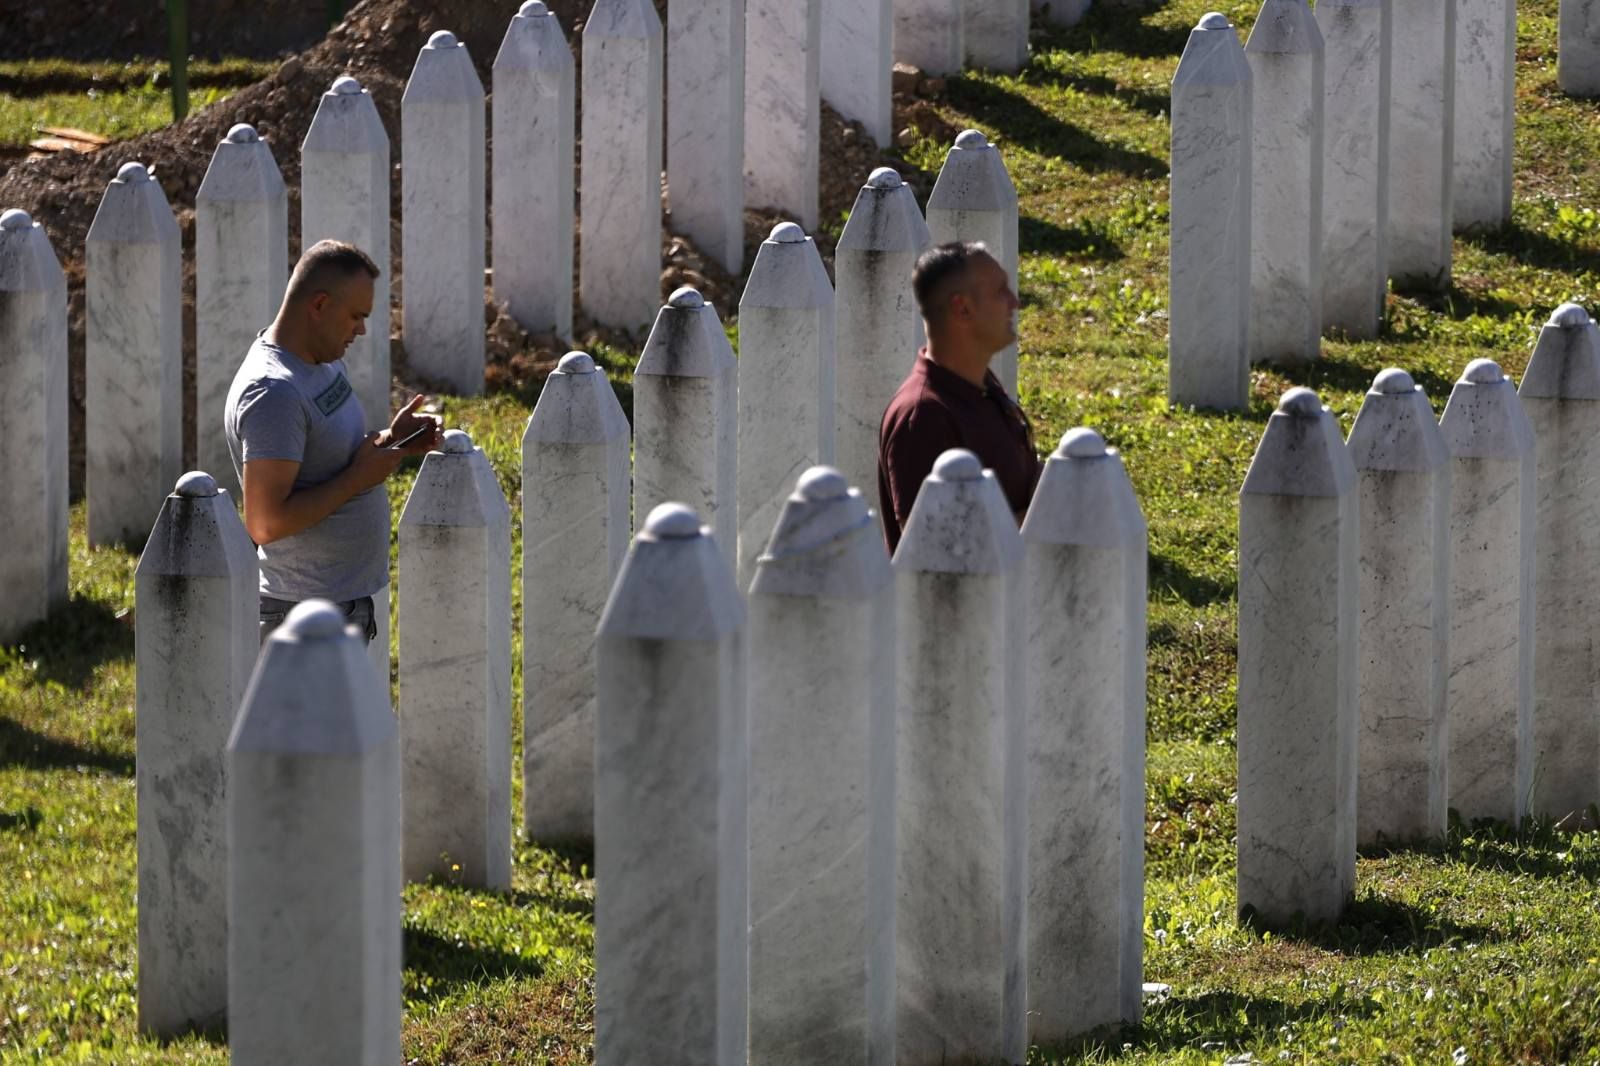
397	445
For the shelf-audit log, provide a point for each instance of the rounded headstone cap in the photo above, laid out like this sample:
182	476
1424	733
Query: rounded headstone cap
533	9
1214	20
787	233
957	464
686	298
1570	316
971	140
315	619
672	521
1300	402
456	442
15	218
821	484
133	173
884	178
243	133
345	85
1081	443
1393	382
575	363
196	484
442	39
1483	372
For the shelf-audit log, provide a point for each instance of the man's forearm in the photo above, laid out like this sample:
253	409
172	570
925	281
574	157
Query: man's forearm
304	508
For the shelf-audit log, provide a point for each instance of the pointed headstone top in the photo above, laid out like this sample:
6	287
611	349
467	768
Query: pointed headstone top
787	233
575	363
1483	372
442	39
196	484
15	218
345	85
1302	453
1393	382
1081	443
825	544
671	521
1570	316
456	442
1565	364
533	9
314	620
132	173
1285	27
884	178
822	483
1484	418
1214	20
1084	497
1395	429
971	141
1300	402
686	298
957	464
243	133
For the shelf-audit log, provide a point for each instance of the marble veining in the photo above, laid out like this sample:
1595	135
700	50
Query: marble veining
1422	141
857	63
1485	112
705	125
783	106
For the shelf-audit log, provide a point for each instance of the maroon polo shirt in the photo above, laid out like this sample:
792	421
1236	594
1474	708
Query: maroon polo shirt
936	409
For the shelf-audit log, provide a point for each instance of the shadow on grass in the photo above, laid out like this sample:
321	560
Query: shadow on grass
1150	102
1028	124
1538	849
1454	301
1085	238
1378	925
21	746
1167	574
1346	375
1530	247
76	638
448	965
1123	28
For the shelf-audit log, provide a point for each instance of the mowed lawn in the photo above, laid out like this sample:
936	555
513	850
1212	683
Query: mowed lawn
1484	950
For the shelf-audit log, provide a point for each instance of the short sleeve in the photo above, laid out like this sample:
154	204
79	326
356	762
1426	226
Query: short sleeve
272	422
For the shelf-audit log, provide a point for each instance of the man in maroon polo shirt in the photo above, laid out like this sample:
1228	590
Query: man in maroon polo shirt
951	399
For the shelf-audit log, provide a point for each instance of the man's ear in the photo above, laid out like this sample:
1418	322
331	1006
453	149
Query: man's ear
318	303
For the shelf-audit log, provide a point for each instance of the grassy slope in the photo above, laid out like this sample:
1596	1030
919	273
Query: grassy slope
1490	945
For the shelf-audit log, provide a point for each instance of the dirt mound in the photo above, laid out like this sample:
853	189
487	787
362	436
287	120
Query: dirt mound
377	43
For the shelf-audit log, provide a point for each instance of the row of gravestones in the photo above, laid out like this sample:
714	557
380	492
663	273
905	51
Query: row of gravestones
797	399
1329	154
803	804
1419	618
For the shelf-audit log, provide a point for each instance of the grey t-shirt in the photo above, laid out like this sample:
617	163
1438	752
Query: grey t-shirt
282	407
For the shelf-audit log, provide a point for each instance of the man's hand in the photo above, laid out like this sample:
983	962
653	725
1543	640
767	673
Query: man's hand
406	422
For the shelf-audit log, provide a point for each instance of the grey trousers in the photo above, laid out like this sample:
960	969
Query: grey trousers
359	612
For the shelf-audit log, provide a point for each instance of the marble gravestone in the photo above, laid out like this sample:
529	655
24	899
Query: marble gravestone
1061	12
1422	142
1493	517
1208	345
1485	112
344	196
858	62
705	126
1403	471
33	378
1578	63
535	109
786	375
442	216
1086	557
1299	531
576	520
314	908
133	364
928	34
974	200
879	326
783	106
455	670
197	599
671	840
1561	394
241	266
619	261
686	417
996	33
960	766
822	736
1357	36
1285	52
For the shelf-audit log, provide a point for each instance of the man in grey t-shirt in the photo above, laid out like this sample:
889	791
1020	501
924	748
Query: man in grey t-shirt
312	476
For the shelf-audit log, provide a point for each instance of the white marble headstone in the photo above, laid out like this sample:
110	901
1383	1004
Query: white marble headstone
241	266
535	109
442	217
344	196
1086	561
199	608
1485	118
783	106
1208	350
314	906
619	261
1299	532
1493	516
822	729
33	436
672	914
928	34
705	126
1061	12
455	670
1578	64
133	400
879	326
960	775
996	33
576	521
1561	394
974	200
858	64
1422	142
1404	472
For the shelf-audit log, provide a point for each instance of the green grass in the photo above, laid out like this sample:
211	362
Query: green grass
114	113
1485	949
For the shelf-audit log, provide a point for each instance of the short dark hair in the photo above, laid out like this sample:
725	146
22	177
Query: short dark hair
940	273
326	263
